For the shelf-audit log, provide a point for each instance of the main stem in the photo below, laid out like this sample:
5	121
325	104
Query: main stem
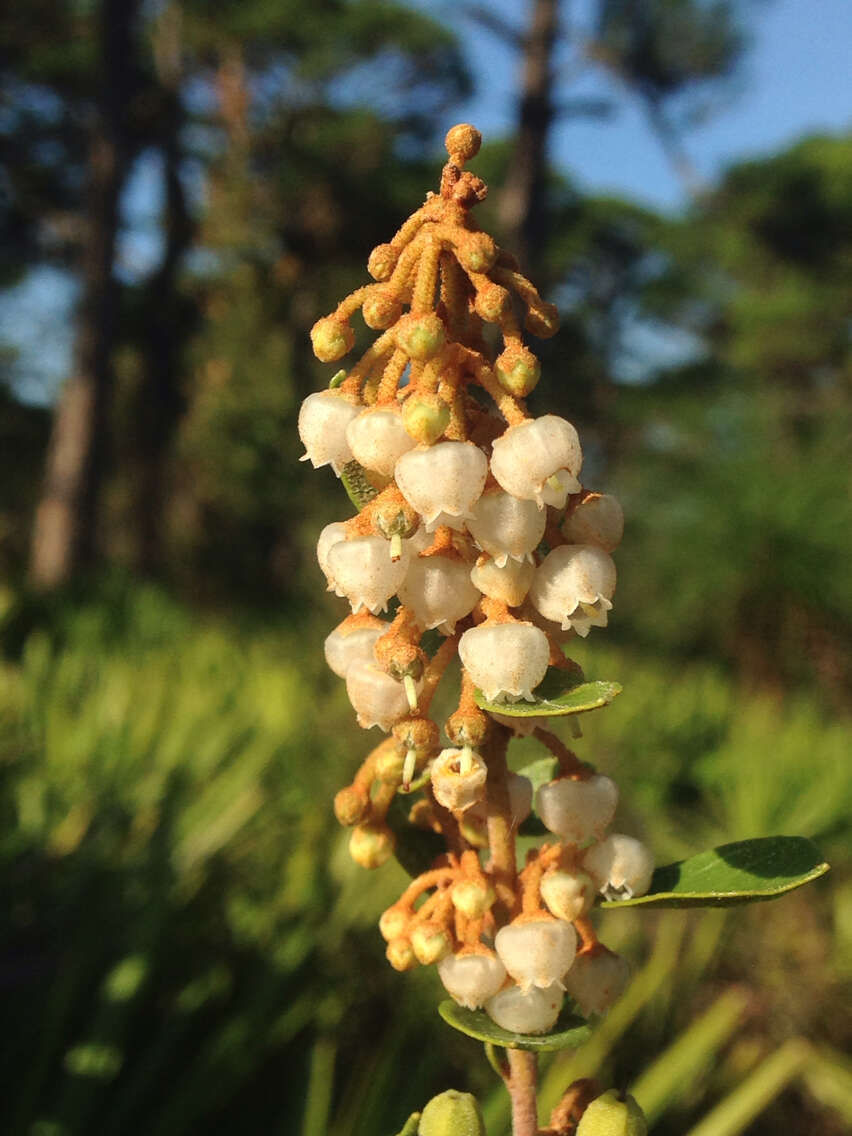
522	1089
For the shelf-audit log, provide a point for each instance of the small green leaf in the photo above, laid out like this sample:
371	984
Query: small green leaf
744	872
416	848
570	1032
357	485
555	697
337	379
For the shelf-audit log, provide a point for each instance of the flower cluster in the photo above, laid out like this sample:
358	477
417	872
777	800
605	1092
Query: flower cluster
473	526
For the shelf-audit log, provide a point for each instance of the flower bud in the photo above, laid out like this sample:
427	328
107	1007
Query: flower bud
517	371
467	728
365	573
471	979
538	460
381	310
323	419
400	955
393	923
351	806
620	866
597	519
530	1011
536	952
578	811
609	1115
425	416
574	586
378	699
505	660
331	339
452	1114
567	895
472	897
505	526
542	321
463	141
371	845
458	778
439	591
491	302
420	336
382	262
430	942
597	979
377	438
476	252
442	482
330	536
508	584
348	645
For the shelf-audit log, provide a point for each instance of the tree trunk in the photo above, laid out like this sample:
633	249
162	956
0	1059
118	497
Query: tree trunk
64	534
523	203
168	319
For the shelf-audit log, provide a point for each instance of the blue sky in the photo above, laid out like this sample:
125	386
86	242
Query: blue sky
797	80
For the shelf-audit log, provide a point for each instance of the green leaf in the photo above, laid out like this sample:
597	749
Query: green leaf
744	872
570	1030
416	848
357	485
555	697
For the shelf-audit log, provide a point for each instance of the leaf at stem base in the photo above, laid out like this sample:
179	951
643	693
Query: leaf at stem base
570	1031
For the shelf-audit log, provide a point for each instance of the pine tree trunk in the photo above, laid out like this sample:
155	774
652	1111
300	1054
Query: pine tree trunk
64	534
523	203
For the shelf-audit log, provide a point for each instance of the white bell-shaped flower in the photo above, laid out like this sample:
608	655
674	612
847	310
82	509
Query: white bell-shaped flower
378	439
597	980
507	527
578	811
364	572
439	591
620	866
539	460
599	519
532	1011
574	586
506	661
347	645
458	778
377	699
471	979
536	952
323	420
567	895
330	536
509	584
442	482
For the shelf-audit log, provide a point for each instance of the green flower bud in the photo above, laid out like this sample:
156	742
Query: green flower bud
400	955
425	417
472	897
543	322
491	302
381	310
350	806
452	1114
420	336
430	943
477	252
393	923
371	846
463	141
382	262
609	1115
331	339
518	371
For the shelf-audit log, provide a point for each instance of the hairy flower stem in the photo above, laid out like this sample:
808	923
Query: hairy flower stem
522	1090
501	835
